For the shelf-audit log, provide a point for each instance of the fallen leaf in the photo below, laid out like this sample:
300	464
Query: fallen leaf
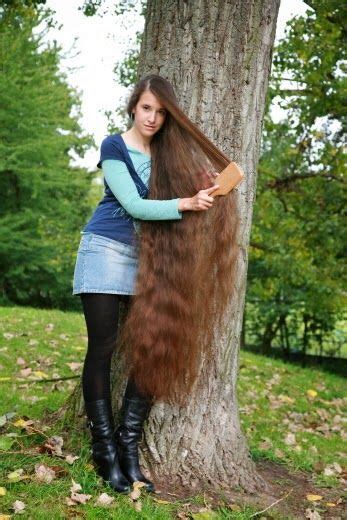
44	473
234	507
332	469
76	498
311	393
279	453
49	327
286	399
266	444
21	423
311	514
18	506
53	446
104	499
74	365
2	491
80	498
290	439
159	501
314	498
330	504
135	494
138	506
40	374
75	487
17	475
24	372
21	361
70	459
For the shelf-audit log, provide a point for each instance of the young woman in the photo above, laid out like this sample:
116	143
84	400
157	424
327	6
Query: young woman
143	246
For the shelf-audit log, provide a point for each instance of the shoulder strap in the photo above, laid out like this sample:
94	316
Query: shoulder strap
140	185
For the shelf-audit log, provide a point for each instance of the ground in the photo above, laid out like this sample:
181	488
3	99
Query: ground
293	418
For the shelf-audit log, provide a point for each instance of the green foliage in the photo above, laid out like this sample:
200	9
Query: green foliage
43	201
296	260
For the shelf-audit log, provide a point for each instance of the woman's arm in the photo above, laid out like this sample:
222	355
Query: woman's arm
123	187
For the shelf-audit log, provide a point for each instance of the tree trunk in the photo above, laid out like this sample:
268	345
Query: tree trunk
218	55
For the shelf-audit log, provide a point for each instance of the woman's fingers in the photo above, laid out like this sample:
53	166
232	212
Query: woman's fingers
205	193
210	190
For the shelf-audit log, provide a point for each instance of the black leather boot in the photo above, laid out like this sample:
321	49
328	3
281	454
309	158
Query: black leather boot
104	448
135	410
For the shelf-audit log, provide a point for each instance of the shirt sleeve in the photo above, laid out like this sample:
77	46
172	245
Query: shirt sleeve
124	189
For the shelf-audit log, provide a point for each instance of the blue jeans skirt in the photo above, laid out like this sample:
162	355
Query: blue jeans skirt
104	265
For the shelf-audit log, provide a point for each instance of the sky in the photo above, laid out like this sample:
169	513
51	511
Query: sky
93	45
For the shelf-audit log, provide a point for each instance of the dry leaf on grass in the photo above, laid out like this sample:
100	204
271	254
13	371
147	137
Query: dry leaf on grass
311	514
75	486
21	423
136	493
290	439
75	497
18	506
332	470
74	366
17	475
138	506
49	327
311	393
104	500
44	473
159	501
25	372
53	446
314	498
70	459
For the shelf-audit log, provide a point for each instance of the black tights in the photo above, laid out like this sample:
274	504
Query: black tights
101	313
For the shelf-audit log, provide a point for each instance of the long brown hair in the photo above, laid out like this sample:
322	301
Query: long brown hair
186	273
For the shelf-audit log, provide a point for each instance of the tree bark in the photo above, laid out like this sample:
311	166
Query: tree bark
217	54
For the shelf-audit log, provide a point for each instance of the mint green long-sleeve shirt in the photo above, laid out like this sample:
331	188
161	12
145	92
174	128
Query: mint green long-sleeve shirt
123	187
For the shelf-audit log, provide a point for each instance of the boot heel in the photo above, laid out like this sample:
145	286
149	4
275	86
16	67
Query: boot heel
104	448
127	436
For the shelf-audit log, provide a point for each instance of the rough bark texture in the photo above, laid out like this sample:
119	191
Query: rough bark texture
217	54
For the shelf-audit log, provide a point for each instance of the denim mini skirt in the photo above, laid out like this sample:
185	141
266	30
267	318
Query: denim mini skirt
104	265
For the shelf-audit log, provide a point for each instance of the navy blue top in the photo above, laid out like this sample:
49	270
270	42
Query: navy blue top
110	218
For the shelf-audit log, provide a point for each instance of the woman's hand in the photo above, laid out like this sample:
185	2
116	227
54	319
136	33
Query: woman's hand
201	201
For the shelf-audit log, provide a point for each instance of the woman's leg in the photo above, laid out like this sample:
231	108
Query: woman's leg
101	315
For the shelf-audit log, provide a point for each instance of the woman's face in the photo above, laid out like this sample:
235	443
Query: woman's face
149	114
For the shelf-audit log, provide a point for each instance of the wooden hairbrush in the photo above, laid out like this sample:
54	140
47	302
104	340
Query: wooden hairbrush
228	178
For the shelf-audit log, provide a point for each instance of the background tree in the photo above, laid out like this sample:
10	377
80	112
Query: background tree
39	132
295	294
220	75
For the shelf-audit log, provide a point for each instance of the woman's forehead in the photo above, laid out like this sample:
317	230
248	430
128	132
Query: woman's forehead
151	99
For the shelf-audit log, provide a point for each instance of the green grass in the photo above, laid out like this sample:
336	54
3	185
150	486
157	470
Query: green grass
275	399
